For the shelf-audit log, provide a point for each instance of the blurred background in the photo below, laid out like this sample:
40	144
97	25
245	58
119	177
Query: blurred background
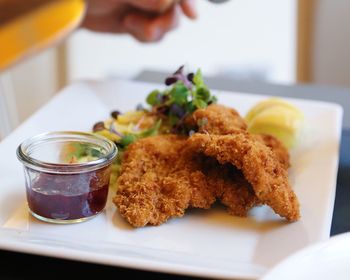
276	41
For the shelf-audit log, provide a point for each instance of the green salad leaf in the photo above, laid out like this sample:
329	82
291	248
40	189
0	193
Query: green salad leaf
179	94
127	140
130	138
151	131
198	79
152	98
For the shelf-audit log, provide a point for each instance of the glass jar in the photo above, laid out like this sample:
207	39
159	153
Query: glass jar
66	175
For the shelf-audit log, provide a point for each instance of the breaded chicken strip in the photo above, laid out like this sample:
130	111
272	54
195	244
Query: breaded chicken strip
259	166
216	119
237	193
221	120
159	179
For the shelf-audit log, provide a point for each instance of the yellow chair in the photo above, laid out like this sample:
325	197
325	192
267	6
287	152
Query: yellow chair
26	28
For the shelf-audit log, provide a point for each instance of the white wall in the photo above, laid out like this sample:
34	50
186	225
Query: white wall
30	84
332	42
254	36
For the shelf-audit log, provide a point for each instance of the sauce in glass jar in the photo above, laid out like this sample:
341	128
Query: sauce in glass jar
67	175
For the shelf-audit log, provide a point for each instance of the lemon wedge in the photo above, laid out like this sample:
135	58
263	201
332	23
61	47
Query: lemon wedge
278	118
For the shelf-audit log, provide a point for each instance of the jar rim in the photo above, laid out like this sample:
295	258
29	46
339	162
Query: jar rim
40	165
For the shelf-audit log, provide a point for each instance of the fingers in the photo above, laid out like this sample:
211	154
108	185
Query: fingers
157	6
189	8
110	22
148	29
140	18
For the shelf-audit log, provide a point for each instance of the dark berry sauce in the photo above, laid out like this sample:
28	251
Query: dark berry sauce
68	196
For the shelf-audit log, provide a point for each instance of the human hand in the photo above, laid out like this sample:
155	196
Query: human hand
146	20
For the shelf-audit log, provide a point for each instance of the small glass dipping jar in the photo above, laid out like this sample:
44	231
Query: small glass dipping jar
66	175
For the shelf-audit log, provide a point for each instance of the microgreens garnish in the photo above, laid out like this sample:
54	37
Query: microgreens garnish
185	94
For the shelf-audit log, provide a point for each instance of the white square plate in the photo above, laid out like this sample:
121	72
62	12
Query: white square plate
207	243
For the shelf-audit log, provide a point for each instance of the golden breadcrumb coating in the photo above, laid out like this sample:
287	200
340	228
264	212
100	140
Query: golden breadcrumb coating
269	179
216	119
160	178
280	151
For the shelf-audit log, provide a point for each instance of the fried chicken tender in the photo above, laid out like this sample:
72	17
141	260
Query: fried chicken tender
216	119
220	120
268	178
159	179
